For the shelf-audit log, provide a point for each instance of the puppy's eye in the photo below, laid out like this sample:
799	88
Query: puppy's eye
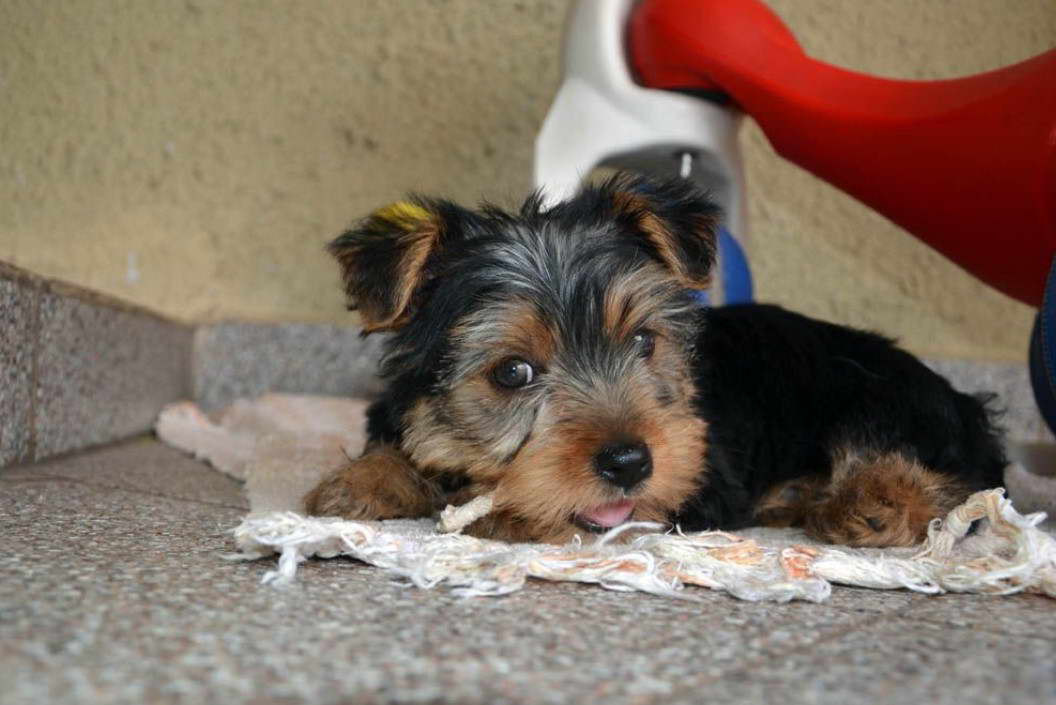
513	372
645	342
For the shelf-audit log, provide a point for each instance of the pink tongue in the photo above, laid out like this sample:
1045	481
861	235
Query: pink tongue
609	515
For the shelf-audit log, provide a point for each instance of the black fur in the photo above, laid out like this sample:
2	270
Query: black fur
781	391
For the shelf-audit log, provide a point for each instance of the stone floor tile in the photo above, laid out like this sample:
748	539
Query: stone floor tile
140	465
1030	616
115	590
895	661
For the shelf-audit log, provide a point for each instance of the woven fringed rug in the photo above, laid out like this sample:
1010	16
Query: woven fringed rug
280	445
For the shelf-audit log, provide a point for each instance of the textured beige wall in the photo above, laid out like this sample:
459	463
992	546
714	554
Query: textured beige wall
195	156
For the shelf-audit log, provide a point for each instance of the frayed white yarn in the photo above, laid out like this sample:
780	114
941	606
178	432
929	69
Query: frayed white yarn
1008	554
454	519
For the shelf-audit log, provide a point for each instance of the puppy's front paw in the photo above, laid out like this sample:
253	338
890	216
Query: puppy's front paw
887	502
381	484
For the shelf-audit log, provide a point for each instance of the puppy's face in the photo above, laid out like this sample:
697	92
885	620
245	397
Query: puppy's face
546	355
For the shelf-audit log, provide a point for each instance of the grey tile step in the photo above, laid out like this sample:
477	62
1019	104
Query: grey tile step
78	369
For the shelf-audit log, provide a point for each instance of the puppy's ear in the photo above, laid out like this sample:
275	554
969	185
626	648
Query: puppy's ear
386	259
677	221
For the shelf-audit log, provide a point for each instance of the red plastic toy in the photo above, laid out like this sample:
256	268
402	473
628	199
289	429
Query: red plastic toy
968	165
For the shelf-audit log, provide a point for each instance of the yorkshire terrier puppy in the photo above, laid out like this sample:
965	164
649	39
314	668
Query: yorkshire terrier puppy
559	359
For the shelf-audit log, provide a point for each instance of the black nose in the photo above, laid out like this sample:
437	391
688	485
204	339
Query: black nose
624	464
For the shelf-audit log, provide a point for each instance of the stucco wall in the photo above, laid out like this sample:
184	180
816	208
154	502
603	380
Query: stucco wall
195	156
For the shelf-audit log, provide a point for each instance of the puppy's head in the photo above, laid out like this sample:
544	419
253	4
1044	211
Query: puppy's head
545	354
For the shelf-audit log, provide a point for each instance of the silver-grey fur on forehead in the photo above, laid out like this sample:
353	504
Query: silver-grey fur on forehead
481	338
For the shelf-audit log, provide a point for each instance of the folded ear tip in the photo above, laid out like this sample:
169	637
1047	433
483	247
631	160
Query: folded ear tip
661	192
384	258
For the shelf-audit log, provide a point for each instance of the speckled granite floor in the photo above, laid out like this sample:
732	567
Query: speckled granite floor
112	590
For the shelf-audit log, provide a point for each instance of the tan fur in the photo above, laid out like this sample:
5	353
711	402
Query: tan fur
428	446
884	502
380	484
876	501
553	477
510	329
417	245
527	332
429	449
507	329
790	503
541	465
660	237
628	305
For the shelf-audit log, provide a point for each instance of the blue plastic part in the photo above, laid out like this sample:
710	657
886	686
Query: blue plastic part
736	274
1043	352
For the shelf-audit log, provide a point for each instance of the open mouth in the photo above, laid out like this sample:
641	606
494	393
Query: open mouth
604	516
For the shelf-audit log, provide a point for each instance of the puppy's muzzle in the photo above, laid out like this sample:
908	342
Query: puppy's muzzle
624	464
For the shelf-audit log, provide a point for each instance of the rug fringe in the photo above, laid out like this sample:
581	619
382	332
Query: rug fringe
1007	553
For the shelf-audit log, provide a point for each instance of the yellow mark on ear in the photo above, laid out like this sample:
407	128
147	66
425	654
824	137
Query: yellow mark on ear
404	214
